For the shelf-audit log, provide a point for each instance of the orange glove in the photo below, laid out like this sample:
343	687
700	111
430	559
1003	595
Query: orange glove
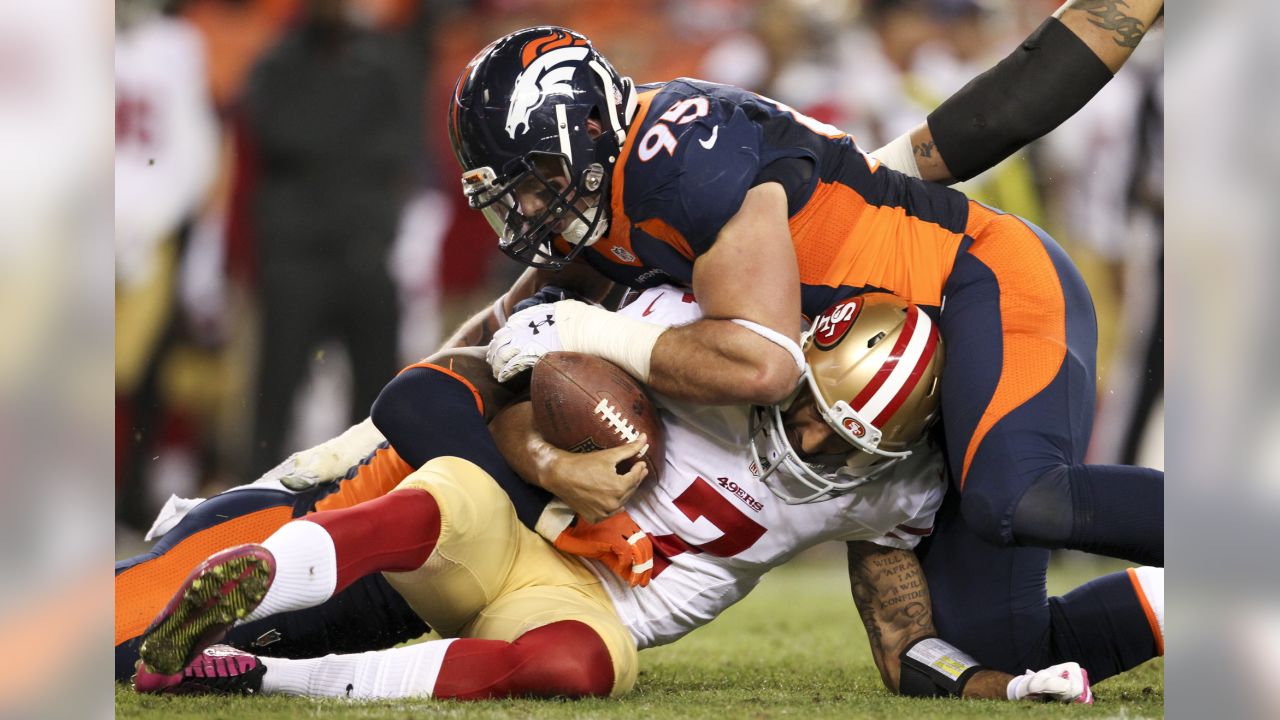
615	541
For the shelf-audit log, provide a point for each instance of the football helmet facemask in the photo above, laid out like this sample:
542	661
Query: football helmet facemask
518	123
873	368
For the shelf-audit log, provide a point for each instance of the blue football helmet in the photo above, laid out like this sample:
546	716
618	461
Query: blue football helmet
537	121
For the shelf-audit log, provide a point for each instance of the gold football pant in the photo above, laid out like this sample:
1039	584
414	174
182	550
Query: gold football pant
490	577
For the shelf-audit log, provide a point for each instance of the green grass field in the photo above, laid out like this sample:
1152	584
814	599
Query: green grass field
793	649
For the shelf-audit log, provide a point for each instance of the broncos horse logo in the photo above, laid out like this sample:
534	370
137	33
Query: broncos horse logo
549	64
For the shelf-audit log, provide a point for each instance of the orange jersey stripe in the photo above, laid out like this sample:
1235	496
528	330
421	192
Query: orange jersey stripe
619	234
660	229
373	479
142	590
842	240
1146	609
1033	314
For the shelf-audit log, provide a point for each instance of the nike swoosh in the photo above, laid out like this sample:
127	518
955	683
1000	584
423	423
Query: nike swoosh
706	144
650	308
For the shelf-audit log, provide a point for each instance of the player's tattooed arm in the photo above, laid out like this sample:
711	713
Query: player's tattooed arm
1111	28
893	600
892	596
1035	88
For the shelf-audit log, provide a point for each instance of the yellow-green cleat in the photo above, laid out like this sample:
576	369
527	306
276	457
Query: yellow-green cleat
224	588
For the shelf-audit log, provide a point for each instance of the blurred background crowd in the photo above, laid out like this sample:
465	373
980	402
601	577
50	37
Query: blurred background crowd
289	228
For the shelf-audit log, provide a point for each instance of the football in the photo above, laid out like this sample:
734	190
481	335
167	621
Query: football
583	403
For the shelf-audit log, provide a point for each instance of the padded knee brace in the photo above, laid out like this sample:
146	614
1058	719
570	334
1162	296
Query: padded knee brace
1045	514
1114	510
1042	516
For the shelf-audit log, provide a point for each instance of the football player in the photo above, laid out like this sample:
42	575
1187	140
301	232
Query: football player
769	215
450	542
1107	37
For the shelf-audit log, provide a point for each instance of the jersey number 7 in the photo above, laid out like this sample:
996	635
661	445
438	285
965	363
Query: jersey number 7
700	500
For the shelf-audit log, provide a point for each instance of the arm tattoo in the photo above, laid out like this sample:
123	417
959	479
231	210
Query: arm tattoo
1108	15
924	149
893	600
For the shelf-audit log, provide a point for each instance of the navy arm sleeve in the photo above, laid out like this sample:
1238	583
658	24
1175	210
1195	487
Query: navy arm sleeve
425	414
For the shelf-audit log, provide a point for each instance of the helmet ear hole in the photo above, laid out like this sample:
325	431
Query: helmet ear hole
595	125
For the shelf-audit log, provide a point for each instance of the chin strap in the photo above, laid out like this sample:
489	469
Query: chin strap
617	125
630	101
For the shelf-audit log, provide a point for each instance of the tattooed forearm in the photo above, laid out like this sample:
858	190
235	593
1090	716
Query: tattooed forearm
924	149
1109	15
893	601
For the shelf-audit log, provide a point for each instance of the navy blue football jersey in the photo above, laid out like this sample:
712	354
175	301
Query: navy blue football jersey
695	148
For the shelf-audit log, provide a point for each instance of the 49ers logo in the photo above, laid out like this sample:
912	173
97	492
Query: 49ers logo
830	327
855	427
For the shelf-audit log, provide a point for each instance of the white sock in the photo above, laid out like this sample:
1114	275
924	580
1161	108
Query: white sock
1150	581
397	673
306	569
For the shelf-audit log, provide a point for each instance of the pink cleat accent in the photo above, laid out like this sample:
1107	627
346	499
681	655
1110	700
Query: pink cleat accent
1086	697
220	591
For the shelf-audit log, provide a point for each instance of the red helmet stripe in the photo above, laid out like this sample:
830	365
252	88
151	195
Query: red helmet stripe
886	369
931	346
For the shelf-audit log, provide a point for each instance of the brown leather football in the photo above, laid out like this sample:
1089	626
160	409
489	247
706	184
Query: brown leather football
583	403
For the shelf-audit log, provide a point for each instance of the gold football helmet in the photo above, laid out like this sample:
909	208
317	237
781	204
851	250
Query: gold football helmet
873	367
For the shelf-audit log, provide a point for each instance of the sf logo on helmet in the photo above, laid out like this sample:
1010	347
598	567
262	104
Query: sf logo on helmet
549	65
831	326
854	427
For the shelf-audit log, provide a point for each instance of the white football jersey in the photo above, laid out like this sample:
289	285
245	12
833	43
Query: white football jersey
166	138
717	529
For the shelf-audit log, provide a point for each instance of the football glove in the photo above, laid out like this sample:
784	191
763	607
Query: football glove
615	541
1067	682
527	336
325	462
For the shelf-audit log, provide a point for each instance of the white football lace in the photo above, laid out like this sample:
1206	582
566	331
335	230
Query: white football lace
615	419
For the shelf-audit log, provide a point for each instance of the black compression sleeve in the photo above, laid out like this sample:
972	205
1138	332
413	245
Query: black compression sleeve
1050	76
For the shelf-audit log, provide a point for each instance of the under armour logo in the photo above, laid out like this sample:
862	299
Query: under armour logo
535	325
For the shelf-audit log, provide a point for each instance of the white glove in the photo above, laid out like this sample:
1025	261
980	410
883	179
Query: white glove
325	462
1067	682
296	474
527	336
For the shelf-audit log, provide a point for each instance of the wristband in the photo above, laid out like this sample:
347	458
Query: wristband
898	155
623	341
931	667
556	517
